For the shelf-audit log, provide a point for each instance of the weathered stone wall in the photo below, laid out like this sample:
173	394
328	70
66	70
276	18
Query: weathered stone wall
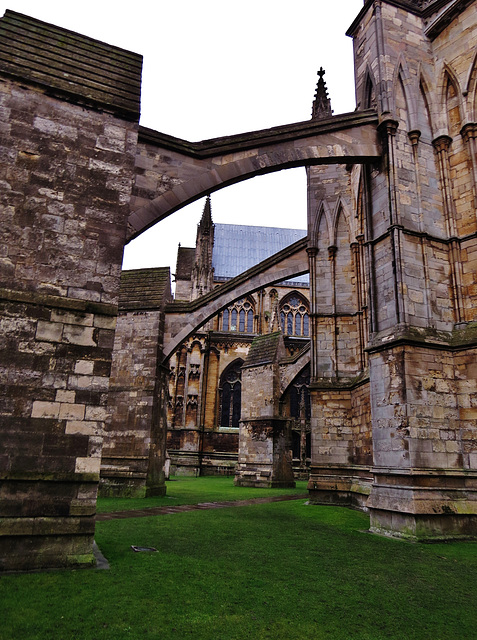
66	177
134	447
131	400
420	239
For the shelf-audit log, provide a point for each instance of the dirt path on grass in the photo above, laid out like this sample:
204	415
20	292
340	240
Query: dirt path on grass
164	511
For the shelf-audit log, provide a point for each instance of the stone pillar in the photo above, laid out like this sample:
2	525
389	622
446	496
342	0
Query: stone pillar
265	458
66	179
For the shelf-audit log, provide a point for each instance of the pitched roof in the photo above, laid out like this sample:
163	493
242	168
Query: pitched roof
240	247
145	288
265	349
70	65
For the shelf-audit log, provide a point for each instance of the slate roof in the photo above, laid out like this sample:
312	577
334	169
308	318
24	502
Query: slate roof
240	247
264	349
71	65
145	289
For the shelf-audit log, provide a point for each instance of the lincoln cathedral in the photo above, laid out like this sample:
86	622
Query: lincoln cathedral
343	353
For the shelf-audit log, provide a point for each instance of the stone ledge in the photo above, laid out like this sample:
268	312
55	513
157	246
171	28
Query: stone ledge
38	476
58	302
457	340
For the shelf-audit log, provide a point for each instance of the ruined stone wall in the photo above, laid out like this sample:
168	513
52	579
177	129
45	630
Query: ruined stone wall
66	176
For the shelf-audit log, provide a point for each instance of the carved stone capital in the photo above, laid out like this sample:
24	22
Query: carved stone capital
388	128
442	143
414	136
469	131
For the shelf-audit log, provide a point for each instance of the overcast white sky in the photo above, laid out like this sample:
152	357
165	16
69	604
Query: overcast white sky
219	67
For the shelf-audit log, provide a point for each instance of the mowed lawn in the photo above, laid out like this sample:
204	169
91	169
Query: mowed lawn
280	571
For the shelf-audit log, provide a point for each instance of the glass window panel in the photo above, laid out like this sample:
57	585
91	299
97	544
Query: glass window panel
225	320
225	413
282	320
305	325
237	394
250	321
289	324
233	326
298	325
242	320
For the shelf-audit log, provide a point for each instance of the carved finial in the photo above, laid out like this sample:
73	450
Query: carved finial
321	104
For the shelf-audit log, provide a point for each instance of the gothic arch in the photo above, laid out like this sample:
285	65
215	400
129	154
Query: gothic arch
425	124
450	97
295	315
344	273
403	81
239	316
368	97
341	208
323	225
402	101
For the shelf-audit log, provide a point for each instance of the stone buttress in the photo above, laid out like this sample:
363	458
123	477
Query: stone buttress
68	132
265	458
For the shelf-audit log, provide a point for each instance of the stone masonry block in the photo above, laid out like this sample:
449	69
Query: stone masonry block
83	336
88	465
71	411
49	331
42	409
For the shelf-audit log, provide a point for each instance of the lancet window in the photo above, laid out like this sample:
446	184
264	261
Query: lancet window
238	317
295	315
230	391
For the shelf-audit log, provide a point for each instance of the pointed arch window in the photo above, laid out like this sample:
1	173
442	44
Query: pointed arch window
230	392
238	316
294	315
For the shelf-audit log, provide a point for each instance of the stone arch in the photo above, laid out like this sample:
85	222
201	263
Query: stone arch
295	404
183	319
208	166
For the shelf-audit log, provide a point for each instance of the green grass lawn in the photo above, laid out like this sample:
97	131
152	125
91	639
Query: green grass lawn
277	571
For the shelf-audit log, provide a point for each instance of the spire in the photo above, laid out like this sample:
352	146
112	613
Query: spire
205	224
321	104
202	271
